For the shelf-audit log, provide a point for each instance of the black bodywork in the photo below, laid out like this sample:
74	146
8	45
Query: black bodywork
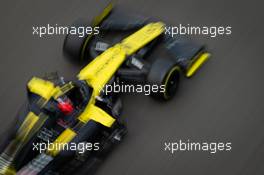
139	68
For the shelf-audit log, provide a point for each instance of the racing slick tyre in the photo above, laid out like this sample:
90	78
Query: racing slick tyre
166	74
76	47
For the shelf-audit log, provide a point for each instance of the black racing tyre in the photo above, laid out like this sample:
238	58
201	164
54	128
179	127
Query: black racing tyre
166	74
76	47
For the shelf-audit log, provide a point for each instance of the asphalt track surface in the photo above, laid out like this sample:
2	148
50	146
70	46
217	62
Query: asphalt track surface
222	103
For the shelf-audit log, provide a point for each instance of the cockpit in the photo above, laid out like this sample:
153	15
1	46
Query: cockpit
64	108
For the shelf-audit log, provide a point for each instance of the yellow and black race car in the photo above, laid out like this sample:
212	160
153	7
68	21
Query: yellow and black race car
66	125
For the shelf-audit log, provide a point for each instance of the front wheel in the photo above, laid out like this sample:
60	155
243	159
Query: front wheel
76	47
165	74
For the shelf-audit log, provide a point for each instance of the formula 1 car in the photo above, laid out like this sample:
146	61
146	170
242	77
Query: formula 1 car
60	112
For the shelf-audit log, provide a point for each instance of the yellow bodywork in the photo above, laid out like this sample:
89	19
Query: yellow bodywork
97	114
101	69
6	158
97	74
8	170
197	64
59	144
41	87
27	125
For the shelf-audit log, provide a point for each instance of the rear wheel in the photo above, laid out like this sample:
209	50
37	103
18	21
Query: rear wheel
165	74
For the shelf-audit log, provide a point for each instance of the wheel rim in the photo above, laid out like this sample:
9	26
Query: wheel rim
171	82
